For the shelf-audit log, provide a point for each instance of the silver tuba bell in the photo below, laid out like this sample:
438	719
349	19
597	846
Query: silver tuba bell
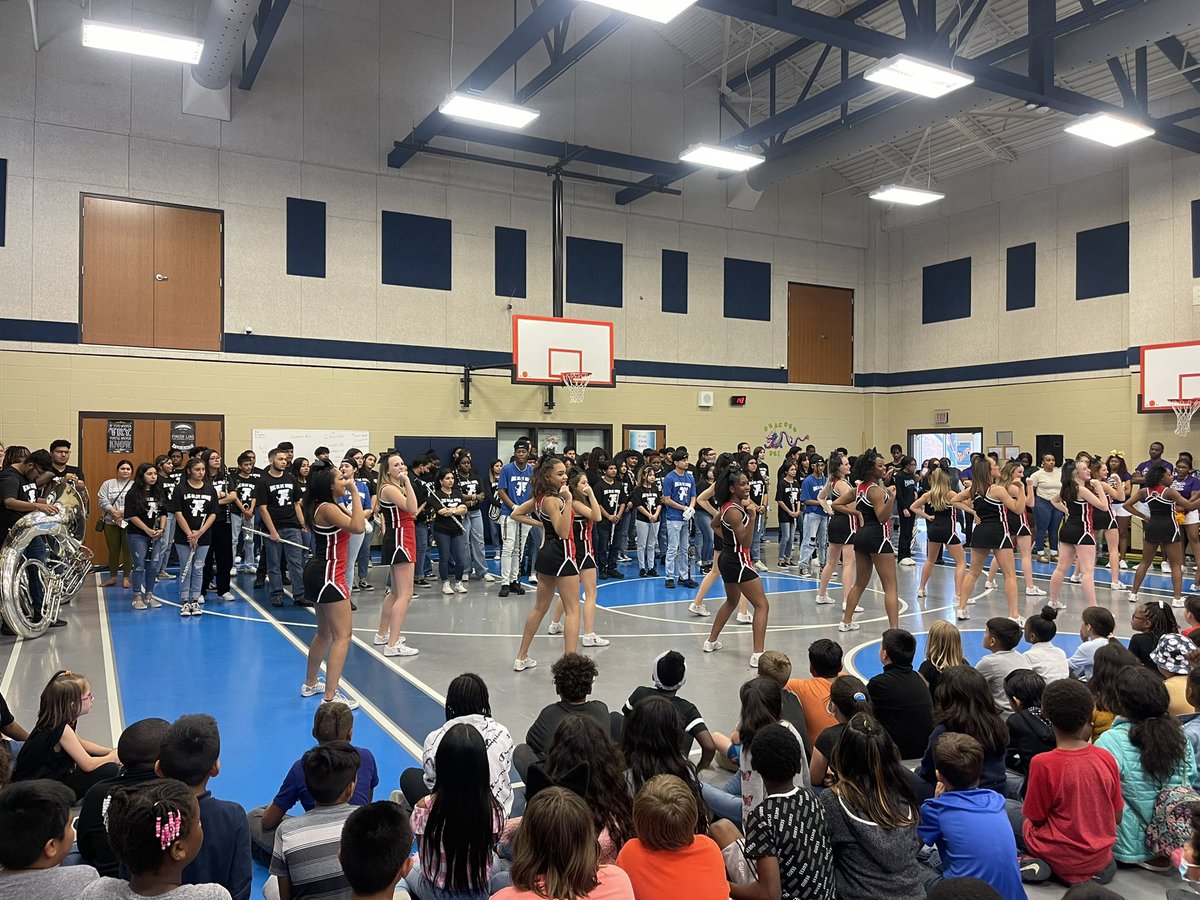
43	562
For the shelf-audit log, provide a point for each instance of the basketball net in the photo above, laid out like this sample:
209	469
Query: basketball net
576	383
1184	410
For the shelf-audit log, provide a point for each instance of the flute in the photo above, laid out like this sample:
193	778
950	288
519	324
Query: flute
281	540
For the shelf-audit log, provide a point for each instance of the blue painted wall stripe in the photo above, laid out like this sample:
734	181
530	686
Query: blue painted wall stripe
39	331
1022	368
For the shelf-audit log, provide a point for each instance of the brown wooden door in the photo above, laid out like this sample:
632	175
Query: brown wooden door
187	272
820	335
118	284
151	437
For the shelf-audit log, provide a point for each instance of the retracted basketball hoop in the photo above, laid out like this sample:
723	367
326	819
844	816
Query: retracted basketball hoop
576	383
1184	410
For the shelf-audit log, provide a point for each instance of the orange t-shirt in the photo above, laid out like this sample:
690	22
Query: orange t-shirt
696	872
814	697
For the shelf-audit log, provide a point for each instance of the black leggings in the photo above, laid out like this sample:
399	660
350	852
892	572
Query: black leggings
80	781
220	556
904	550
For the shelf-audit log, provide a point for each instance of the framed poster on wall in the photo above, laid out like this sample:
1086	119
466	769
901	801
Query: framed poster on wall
643	437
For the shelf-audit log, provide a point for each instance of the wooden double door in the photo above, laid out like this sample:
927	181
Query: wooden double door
820	335
107	438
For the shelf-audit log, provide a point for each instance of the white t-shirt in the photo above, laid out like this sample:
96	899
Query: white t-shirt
1048	661
499	745
753	791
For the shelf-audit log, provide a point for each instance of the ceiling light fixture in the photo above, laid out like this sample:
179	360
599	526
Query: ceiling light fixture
1110	130
655	10
907	73
906	195
720	157
480	109
141	42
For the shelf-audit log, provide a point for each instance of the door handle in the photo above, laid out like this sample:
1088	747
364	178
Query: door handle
160	277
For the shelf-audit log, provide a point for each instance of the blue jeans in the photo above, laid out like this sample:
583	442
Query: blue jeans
1046	518
422	889
423	568
144	575
452	555
677	549
760	529
294	556
815	539
356	544
787	535
478	558
532	544
726	801
162	547
191	579
362	558
704	536
662	535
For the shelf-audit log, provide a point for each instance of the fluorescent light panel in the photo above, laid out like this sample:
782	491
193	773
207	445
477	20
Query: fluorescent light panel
141	42
480	109
1110	130
906	195
720	157
654	10
907	73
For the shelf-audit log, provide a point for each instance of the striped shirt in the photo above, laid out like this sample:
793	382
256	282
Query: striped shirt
306	852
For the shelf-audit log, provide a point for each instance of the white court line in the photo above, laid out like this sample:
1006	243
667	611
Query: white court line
116	719
383	721
10	670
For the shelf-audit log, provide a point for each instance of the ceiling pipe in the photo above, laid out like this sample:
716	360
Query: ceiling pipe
225	31
1127	30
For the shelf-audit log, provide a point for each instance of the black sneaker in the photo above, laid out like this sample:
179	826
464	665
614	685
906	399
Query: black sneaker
652	572
302	602
59	623
260	582
670	583
602	574
422	582
516	588
1034	870
641	573
277	601
366	585
504	590
688	583
613	573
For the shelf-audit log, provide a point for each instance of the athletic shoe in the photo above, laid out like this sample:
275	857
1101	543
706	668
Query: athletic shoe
302	602
1056	604
1124	565
260	582
594	640
516	588
908	561
962	614
400	649
520	665
1177	603
921	594
199	600
848	626
602	574
1054	554
823	600
1042	557
1133	597
1165	566
1034	591
754	660
613	573
990	584
164	576
446	589
1151	867
688	583
1033	870
277	601
760	565
228	597
622	558
504	590
139	603
1076	579
461	587
652	572
1020	620
1119	586
1195	588
153	602
531	580
339	697
423	582
803	573
641	573
710	646
700	610
857	610
488	576
555	628
311	690
366	585
670	583
379	640
745	618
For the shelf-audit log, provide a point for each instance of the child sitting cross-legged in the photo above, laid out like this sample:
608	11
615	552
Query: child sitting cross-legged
968	823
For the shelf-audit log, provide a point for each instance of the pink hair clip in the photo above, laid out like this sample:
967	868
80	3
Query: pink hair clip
168	832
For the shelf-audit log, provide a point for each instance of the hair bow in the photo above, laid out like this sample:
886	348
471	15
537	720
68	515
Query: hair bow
575	780
1120	454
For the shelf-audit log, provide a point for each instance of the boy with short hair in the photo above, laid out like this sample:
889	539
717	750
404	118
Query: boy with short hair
824	665
375	846
667	857
305	858
774	664
901	697
1073	800
968	823
1191	614
191	753
1029	731
35	820
669	673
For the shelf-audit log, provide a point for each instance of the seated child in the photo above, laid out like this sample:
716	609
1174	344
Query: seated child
1191	722
824	665
1029	731
1043	656
774	664
191	753
375	846
1002	635
669	673
35	819
968	823
847	698
156	831
668	857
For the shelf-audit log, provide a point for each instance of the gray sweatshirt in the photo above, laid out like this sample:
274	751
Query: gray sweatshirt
870	861
112	495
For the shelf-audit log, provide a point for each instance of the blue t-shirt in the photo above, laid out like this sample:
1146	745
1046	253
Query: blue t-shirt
681	489
808	491
364	496
294	790
516	483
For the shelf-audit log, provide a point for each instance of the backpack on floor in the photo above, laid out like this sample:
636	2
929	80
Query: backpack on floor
1170	825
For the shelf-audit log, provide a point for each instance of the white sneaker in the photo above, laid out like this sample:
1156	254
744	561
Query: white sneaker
379	640
1124	565
153	602
446	589
700	610
710	646
594	640
1133	597
761	566
339	697
921	594
824	600
848	626
198	601
1177	603
400	649
311	690
237	560
1034	591
745	618
228	597
555	628
532	580
1076	579
754	660
857	610
990	584
520	665
1119	586
461	587
488	576
1057	604
908	561
1166	567
1020	620
139	603
962	614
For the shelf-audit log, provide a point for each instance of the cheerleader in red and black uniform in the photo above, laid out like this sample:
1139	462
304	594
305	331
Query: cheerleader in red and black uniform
1111	490
556	567
841	529
1078	539
398	504
872	539
587	514
325	579
1161	530
985	503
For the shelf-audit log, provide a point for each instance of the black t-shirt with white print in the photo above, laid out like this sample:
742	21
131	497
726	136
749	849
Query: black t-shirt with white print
245	486
170	483
279	497
648	499
222	485
609	496
470	484
789	493
791	828
195	505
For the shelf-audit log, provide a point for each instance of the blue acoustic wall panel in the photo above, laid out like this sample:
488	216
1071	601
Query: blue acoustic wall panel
1102	261
595	272
3	196
946	291
305	237
1021	282
747	290
510	262
416	251
1195	234
674	281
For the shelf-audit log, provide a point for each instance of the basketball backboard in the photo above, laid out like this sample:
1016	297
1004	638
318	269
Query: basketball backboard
1169	372
544	348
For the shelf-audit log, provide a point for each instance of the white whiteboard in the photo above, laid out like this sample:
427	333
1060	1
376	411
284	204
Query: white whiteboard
306	440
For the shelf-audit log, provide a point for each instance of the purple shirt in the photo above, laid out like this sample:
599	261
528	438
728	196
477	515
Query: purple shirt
1186	486
1144	467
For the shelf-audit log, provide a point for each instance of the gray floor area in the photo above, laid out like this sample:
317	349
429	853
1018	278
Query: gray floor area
480	632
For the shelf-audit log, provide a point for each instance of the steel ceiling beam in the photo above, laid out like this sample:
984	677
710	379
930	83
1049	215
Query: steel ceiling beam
265	28
536	26
567	58
1172	48
782	16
